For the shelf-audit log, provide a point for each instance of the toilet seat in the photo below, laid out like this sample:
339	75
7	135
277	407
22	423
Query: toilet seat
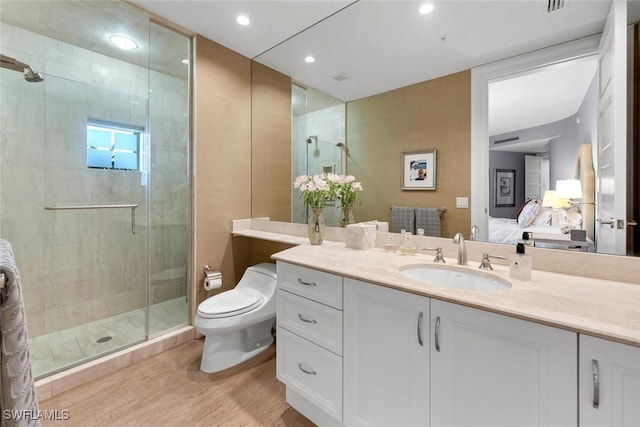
230	303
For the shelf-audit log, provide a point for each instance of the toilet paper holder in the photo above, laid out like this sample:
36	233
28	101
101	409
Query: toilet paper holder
210	273
212	278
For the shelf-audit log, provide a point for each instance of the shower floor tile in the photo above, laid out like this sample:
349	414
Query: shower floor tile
59	350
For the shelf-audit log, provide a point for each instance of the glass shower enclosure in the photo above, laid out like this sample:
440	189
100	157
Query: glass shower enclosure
94	177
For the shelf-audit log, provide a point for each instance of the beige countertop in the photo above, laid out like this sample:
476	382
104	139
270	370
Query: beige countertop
596	307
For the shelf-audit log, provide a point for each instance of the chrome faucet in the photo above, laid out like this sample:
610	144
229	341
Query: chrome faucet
485	264
462	249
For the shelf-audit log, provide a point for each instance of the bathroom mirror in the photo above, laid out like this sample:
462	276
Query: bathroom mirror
479	162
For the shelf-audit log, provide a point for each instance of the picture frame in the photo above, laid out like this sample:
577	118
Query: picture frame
505	185
419	170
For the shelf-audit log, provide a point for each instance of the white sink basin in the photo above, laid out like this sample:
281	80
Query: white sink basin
456	278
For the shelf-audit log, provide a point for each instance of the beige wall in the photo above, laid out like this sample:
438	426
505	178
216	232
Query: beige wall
222	155
242	163
432	114
270	144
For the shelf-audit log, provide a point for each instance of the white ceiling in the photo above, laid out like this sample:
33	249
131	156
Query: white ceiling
524	101
380	45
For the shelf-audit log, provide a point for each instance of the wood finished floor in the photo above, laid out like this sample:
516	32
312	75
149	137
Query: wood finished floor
168	389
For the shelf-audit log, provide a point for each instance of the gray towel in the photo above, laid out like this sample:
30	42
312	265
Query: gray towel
429	220
402	218
18	401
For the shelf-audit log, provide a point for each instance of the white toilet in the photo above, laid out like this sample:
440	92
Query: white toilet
237	323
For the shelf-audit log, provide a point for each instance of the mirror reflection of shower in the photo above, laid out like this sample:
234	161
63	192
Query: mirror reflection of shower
15	65
310	140
318	129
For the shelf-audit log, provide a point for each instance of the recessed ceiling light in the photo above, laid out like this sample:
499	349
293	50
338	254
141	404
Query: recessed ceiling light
185	61
123	42
310	59
243	20
426	8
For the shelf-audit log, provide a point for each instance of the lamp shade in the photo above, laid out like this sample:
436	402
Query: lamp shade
569	189
551	200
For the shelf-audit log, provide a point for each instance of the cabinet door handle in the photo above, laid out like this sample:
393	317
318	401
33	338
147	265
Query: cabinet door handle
437	334
302	282
311	372
595	371
306	320
420	317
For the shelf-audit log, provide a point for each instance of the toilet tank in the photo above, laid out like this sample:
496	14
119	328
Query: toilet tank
261	277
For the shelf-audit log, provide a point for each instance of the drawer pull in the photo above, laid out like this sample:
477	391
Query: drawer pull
312	372
302	282
595	371
437	334
306	320
420	329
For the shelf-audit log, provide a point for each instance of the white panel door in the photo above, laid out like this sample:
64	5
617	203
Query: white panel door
533	177
386	356
611	202
609	383
489	370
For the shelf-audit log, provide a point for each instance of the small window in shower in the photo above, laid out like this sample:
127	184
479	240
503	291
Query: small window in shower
113	145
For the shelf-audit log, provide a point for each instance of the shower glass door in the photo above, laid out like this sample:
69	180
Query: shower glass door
169	124
74	193
94	176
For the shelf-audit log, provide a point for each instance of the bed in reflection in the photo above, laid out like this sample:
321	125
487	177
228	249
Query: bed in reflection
551	226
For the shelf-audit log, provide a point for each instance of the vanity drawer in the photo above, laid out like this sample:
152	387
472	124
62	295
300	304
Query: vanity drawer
313	372
316	322
316	285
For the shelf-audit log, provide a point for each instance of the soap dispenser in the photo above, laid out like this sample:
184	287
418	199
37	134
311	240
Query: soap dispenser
408	245
520	264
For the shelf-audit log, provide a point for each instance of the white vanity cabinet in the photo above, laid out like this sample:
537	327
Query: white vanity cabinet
609	383
309	341
493	370
386	356
359	354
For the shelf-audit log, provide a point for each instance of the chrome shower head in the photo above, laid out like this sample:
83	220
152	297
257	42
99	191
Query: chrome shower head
343	147
15	65
32	76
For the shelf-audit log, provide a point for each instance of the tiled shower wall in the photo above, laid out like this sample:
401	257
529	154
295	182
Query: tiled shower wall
79	266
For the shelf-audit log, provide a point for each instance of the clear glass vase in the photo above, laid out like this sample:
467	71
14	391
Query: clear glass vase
346	216
316	226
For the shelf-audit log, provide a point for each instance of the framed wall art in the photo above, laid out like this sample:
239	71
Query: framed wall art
505	188
419	170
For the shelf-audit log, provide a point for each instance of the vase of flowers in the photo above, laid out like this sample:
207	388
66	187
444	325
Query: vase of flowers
346	216
346	189
315	192
316	226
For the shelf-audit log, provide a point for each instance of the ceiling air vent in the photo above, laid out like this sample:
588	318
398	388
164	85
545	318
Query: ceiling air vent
340	77
502	141
554	5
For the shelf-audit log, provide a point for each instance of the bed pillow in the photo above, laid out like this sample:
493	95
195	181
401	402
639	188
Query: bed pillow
528	213
544	218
